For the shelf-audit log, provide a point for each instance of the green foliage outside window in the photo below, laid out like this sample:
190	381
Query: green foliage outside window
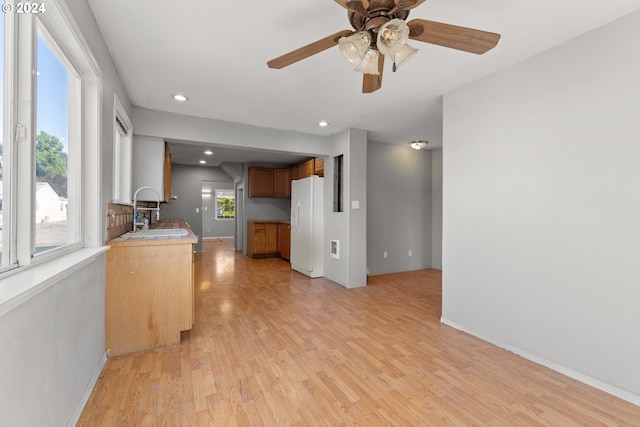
51	162
225	206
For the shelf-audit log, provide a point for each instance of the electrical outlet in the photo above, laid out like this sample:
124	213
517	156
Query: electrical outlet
385	254
410	253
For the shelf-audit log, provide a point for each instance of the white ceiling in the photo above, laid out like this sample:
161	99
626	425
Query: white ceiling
215	52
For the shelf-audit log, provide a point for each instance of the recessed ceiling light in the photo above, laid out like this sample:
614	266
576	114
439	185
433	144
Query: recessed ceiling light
179	97
208	152
202	162
323	123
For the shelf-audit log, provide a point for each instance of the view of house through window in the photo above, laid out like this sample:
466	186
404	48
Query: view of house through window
225	204
51	149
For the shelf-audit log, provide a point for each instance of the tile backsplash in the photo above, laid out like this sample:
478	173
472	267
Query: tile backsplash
120	218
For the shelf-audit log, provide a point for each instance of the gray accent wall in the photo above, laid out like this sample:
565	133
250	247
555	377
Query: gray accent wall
187	187
400	210
211	226
542	208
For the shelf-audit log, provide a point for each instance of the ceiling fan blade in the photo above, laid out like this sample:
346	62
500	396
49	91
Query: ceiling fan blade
358	7
404	5
373	82
308	50
365	3
414	4
461	38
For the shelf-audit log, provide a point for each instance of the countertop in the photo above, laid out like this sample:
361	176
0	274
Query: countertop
190	238
269	221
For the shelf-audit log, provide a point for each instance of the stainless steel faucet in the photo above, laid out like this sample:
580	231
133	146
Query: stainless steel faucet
135	207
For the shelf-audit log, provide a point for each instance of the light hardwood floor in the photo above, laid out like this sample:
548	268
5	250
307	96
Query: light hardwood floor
273	347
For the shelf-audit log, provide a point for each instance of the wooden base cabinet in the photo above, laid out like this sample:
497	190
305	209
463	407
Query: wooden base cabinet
262	239
268	239
149	296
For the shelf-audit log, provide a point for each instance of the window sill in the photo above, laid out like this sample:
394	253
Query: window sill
22	285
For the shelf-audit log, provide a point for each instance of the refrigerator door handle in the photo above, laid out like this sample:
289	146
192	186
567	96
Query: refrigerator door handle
298	207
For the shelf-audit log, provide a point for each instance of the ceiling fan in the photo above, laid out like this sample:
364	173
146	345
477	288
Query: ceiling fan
381	30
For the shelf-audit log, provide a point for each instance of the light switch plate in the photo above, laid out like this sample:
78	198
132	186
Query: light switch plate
355	204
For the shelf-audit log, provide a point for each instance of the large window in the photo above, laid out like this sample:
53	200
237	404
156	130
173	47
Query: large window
50	126
55	148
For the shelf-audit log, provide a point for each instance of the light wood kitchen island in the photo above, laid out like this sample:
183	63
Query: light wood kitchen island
149	290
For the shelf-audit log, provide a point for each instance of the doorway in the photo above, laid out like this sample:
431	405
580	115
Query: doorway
239	243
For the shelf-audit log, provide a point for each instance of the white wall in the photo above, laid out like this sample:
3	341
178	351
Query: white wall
542	207
52	349
185	128
436	209
52	344
349	226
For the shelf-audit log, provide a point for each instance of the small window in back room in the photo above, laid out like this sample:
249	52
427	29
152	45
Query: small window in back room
337	183
225	204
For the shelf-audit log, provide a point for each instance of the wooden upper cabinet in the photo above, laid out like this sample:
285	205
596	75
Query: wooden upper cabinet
294	173
269	182
318	166
281	183
261	182
307	168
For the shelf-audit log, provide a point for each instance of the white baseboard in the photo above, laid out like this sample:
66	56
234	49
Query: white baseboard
593	382
87	391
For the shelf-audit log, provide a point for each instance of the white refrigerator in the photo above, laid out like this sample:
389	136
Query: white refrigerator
307	227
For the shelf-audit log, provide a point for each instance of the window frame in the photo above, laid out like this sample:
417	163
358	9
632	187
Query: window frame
226	192
20	60
74	141
122	154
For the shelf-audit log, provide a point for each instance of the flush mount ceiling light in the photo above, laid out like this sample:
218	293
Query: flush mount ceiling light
202	162
418	145
209	153
323	124
179	97
381	29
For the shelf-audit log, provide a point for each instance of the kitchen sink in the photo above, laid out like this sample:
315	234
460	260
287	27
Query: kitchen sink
156	233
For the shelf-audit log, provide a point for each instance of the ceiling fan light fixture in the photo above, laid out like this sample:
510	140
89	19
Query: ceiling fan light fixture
403	56
392	41
392	36
418	145
355	47
369	65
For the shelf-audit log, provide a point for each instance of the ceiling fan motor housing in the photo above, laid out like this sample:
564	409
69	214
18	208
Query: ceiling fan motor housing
377	14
